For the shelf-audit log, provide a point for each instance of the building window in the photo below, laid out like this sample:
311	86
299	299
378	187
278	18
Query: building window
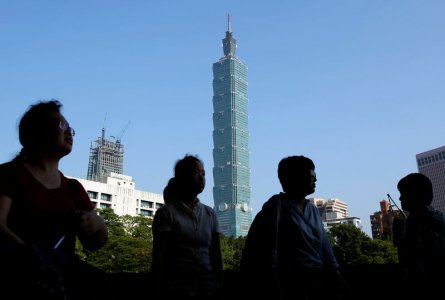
105	205
146	213
224	227
158	205
92	195
148	204
105	197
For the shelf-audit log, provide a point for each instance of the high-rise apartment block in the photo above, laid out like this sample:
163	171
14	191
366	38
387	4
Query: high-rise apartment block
334	212
231	172
432	164
106	157
330	208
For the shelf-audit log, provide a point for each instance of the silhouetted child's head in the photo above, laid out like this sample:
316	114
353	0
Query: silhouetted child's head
415	190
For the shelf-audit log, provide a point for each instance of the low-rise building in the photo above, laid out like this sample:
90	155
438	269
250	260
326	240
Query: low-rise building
119	193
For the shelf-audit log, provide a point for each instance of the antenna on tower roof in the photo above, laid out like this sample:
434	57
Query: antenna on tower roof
228	22
103	127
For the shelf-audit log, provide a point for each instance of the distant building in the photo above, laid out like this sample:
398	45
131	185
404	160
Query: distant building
108	187
382	221
119	193
106	157
331	208
354	221
432	164
334	212
231	172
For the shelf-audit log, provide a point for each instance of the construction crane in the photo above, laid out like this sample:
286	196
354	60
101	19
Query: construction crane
118	140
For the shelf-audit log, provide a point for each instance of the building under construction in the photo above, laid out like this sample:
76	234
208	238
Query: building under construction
106	156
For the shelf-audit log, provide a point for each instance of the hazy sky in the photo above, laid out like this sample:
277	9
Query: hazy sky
358	86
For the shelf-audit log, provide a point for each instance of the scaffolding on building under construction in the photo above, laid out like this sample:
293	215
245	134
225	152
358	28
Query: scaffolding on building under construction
106	156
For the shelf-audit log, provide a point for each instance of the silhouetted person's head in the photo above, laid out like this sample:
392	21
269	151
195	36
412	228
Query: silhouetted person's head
297	175
416	191
190	175
43	129
169	193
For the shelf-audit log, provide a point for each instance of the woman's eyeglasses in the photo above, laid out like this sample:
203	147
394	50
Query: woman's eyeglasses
66	127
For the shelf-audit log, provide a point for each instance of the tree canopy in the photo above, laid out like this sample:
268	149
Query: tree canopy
130	244
352	246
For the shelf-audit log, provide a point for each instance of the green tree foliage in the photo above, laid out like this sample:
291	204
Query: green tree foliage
231	251
381	252
138	227
352	246
113	221
129	245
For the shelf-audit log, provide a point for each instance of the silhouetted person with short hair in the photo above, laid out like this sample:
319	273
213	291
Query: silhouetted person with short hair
187	261
42	212
422	246
298	261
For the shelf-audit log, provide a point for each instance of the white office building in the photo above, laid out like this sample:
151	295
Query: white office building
119	193
354	221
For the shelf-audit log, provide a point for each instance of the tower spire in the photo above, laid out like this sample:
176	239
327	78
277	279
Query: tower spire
229	43
228	22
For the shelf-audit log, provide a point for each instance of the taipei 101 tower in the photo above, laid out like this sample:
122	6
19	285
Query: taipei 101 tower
231	172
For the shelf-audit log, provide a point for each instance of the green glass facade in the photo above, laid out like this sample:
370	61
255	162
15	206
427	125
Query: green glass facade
231	172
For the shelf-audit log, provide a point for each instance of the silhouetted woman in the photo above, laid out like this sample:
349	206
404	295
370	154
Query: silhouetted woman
42	212
186	247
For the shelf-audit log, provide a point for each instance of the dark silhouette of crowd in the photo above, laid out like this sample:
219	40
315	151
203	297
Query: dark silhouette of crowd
287	254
